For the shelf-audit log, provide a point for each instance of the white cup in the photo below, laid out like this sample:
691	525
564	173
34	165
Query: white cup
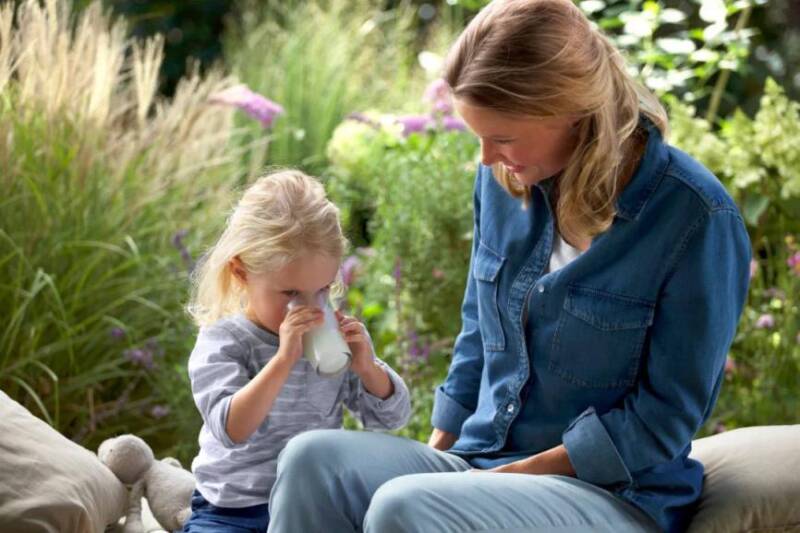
324	347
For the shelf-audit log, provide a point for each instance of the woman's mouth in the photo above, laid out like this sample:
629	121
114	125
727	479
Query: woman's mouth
514	169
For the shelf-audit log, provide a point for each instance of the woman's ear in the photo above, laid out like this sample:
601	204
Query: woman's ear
238	270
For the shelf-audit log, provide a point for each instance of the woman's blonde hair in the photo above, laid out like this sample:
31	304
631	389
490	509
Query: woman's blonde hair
543	58
280	218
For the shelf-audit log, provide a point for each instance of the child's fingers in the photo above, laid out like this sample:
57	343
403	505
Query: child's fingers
354	327
353	338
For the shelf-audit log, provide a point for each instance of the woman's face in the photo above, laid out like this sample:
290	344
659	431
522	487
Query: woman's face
532	149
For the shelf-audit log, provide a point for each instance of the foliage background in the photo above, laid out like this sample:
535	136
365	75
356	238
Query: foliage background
118	172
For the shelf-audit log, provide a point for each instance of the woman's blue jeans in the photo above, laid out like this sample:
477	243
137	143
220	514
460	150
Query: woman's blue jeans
337	481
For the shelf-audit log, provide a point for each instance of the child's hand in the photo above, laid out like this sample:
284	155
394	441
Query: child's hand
356	336
297	321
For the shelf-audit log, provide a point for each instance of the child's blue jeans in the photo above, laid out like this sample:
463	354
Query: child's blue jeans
208	518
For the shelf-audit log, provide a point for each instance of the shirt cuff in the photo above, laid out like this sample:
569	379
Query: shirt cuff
592	453
448	415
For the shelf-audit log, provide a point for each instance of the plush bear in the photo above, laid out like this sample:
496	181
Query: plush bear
167	487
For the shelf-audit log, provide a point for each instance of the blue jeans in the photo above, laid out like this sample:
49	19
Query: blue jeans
208	518
337	481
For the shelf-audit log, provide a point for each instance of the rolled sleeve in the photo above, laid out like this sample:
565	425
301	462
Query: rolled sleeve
592	452
448	415
380	413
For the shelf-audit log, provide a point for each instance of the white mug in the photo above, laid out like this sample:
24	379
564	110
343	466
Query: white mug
324	347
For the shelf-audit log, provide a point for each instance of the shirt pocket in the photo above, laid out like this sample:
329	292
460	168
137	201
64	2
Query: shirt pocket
323	393
486	270
599	338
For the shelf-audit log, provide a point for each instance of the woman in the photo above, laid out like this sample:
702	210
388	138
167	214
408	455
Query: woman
607	277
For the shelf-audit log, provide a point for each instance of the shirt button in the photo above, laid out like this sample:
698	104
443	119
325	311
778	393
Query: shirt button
540	288
510	408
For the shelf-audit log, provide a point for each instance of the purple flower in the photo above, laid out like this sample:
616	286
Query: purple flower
765	321
720	428
438	95
398	271
414	123
794	263
252	103
451	123
349	270
117	333
159	411
154	347
177	242
413	345
139	356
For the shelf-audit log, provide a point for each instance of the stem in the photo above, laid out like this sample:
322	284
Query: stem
722	80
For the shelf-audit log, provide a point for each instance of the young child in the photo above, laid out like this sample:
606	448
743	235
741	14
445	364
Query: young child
250	382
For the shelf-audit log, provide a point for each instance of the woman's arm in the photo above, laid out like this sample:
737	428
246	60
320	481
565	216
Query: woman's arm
554	461
441	440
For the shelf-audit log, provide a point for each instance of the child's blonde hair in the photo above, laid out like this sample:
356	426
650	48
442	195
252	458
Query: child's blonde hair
543	58
279	218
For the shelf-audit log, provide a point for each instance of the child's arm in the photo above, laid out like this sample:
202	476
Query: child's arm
252	403
377	394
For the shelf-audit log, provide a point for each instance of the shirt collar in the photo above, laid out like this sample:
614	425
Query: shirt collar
647	176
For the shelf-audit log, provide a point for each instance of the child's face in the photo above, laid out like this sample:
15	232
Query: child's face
268	294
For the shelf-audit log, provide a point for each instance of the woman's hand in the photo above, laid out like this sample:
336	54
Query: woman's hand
441	440
298	320
554	461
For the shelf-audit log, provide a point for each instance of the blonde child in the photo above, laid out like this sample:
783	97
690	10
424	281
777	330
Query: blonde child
251	384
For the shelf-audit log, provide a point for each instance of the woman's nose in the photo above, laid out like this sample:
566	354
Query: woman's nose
488	154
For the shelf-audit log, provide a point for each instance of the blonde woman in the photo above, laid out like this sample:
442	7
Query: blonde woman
607	277
283	242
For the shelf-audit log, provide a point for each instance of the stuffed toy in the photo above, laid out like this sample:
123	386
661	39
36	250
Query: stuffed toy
167	487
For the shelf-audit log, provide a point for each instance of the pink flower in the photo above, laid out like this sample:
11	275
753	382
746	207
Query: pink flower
730	365
350	269
437	274
753	268
720	428
414	123
794	263
438	95
450	123
252	103
765	321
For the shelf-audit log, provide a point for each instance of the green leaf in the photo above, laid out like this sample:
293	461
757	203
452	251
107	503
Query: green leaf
753	207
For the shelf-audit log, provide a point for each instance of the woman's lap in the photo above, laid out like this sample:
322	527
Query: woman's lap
334	480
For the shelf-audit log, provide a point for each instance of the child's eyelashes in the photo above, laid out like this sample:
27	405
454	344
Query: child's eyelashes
292	293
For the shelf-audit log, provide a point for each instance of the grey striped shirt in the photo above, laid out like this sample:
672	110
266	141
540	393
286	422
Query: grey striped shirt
225	358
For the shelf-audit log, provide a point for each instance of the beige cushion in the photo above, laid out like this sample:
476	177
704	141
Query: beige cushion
752	480
48	483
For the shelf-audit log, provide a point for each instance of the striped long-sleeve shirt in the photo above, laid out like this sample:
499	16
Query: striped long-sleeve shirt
225	358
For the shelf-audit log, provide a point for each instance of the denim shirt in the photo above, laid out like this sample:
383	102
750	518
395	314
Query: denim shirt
620	354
